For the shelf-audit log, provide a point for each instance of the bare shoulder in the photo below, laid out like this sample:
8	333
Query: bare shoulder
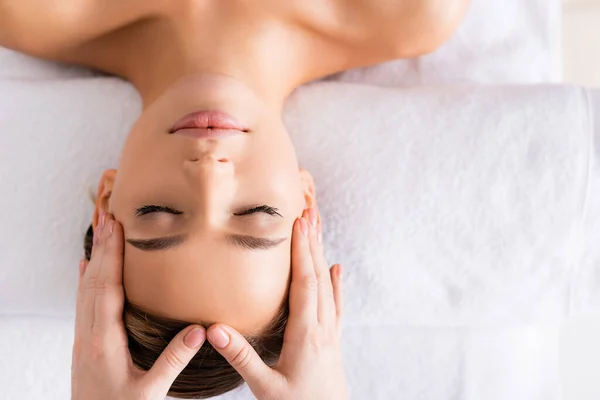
48	29
376	31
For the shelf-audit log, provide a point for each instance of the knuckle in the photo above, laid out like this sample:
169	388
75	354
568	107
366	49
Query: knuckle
314	341
242	359
91	283
309	282
174	360
326	290
99	285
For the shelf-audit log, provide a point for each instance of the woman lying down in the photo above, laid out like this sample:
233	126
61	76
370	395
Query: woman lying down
208	188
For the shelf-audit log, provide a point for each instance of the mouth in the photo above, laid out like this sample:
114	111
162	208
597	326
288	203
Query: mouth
207	125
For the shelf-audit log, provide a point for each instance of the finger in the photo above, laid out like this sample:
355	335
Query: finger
110	247
97	229
303	288
174	358
109	294
84	309
82	266
325	302
80	286
88	281
338	294
238	352
79	306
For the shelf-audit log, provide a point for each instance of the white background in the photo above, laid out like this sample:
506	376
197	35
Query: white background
580	337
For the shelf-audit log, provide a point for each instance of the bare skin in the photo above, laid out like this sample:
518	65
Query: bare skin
236	56
274	45
240	57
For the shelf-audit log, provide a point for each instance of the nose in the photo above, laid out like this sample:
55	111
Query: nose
211	177
196	159
210	166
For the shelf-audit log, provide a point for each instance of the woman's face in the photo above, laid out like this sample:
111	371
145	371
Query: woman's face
208	222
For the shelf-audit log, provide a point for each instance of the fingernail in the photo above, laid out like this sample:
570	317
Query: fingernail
218	338
304	226
320	230
194	338
339	270
81	266
312	215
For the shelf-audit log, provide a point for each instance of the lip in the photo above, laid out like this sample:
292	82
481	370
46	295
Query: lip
208	124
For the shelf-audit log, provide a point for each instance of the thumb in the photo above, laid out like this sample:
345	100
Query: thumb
174	358
238	352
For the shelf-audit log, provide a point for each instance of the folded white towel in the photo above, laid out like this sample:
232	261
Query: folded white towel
57	138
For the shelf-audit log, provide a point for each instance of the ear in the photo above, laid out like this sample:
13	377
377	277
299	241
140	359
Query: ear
308	188
105	188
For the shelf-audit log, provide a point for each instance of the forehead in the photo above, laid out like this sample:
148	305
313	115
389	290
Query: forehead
208	282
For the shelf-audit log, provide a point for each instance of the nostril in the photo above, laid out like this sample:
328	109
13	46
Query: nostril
223	160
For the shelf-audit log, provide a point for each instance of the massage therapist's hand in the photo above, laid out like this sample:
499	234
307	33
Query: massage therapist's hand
310	366
102	367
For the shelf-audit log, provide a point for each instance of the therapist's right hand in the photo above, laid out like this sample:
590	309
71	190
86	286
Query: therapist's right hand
310	366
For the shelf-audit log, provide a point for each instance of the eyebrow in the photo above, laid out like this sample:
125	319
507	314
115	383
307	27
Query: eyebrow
243	241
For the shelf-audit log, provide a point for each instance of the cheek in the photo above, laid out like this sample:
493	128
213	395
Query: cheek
269	288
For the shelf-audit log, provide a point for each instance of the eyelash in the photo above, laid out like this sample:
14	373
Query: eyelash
263	208
153	209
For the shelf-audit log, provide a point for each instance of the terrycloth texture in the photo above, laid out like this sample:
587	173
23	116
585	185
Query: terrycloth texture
459	206
382	362
508	41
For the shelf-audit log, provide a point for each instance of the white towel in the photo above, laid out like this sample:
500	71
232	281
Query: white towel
57	138
458	206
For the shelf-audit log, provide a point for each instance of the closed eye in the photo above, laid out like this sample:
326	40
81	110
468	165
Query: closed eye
156	209
148	209
259	209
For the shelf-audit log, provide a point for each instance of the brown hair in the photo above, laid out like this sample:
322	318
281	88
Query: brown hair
208	374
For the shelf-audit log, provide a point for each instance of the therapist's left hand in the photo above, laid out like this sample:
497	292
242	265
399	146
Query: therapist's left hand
102	367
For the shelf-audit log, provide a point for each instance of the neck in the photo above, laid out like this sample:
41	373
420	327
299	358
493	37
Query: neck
271	76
